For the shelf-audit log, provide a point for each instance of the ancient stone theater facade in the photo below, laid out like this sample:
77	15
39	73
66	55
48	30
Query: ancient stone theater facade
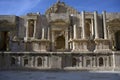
62	38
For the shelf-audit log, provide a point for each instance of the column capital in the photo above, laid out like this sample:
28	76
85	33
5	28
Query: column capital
83	11
95	12
103	11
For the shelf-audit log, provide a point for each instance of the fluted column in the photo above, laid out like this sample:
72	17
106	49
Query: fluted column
43	33
104	25
34	28
75	29
83	25
96	25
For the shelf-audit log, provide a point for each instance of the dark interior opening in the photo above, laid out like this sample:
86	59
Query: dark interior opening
3	40
117	37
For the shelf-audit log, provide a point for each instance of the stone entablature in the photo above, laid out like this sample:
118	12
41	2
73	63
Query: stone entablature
56	17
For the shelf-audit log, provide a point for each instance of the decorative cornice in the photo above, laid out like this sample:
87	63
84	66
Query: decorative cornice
56	8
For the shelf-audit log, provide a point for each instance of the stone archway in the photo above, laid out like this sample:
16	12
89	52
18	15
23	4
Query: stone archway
117	40
13	61
39	61
26	62
74	62
101	61
60	42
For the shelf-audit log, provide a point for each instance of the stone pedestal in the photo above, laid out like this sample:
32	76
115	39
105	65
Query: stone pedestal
102	45
40	45
79	45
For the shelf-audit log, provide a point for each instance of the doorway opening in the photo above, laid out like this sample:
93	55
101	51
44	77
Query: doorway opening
74	62
39	61
3	40
101	63
117	38
60	42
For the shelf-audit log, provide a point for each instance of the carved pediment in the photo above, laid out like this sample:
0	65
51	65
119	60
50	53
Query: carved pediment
61	7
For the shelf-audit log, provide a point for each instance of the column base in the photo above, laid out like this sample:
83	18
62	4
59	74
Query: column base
102	45
80	45
40	45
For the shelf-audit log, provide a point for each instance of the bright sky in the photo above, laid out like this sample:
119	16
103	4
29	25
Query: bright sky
21	7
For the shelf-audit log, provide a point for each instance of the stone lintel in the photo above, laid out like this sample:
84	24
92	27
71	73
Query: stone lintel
80	40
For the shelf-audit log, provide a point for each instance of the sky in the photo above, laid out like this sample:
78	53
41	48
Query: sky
22	7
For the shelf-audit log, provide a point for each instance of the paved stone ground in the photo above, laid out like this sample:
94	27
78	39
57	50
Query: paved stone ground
38	75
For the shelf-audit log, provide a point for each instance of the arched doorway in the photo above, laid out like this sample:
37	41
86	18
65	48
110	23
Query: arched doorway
88	63
117	38
39	61
26	62
101	63
60	42
13	61
74	62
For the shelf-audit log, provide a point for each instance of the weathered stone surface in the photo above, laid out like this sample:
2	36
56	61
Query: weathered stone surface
62	38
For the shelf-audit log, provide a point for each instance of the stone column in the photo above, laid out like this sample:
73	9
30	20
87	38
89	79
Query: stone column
96	25
97	63
94	59
27	29
84	61
34	29
48	33
19	61
75	29
107	61
43	33
32	61
53	40
113	57
92	26
70	45
73	46
80	61
66	38
83	25
104	25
